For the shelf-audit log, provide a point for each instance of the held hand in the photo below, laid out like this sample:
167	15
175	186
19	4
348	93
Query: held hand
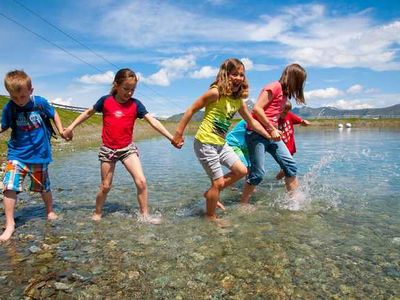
305	123
67	134
275	135
178	141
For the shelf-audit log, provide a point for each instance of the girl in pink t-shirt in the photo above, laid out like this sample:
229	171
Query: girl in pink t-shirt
120	111
269	106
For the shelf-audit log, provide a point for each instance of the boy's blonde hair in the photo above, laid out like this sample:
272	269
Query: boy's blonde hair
292	81
120	77
222	80
15	80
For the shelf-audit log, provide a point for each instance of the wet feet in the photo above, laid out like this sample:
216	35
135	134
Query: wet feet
52	216
222	223
247	208
7	233
96	217
155	220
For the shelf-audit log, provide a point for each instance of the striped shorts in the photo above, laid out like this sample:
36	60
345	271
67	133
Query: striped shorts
16	172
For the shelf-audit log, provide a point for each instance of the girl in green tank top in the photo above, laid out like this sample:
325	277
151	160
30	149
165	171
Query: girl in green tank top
222	101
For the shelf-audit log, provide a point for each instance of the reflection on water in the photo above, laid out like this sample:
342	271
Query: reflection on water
341	239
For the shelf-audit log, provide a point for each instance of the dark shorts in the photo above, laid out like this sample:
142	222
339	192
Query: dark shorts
113	155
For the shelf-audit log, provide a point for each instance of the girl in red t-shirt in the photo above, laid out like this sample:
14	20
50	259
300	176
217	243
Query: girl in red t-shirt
120	112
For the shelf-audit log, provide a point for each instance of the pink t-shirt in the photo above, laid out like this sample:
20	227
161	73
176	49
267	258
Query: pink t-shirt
274	108
119	120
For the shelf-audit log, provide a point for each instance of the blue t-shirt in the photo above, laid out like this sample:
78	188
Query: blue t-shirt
32	138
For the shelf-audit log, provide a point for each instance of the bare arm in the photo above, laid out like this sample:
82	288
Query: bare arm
208	97
305	123
80	119
158	126
264	99
60	128
244	112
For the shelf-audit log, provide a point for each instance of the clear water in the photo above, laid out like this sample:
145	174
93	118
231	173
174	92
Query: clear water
340	239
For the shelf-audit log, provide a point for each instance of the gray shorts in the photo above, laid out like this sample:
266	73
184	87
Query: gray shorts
213	157
113	155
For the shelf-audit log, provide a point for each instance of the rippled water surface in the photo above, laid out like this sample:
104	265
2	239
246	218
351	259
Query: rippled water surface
341	239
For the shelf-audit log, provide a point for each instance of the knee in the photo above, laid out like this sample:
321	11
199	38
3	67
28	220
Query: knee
105	188
141	184
242	171
218	184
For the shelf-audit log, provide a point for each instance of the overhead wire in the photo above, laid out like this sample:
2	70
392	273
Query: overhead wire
91	50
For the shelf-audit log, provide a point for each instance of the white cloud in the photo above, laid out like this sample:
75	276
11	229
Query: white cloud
205	72
327	93
105	78
355	89
248	63
349	104
62	101
173	68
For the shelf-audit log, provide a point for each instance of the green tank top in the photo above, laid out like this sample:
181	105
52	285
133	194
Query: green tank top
217	119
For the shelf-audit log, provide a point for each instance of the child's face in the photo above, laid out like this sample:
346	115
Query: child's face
22	97
126	89
284	112
237	78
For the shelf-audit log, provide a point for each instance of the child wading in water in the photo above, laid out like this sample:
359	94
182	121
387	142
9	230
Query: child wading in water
269	106
120	112
29	148
224	98
286	123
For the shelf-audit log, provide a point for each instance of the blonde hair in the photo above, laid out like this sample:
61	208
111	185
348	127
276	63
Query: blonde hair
16	80
292	81
223	83
120	77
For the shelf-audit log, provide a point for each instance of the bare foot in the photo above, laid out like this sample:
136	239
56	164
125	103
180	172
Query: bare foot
96	217
155	220
222	223
52	216
280	175
7	233
220	205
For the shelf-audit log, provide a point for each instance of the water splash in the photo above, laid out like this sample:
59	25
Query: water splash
310	189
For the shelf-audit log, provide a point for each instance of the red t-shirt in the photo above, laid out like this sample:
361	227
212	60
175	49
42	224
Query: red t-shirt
274	108
286	126
119	120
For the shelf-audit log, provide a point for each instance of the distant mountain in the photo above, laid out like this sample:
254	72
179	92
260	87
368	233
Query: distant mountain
324	112
331	112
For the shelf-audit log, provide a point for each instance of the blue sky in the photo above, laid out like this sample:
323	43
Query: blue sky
350	49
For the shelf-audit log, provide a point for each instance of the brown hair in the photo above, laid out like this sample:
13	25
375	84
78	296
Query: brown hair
120	77
222	80
288	106
15	80
292	81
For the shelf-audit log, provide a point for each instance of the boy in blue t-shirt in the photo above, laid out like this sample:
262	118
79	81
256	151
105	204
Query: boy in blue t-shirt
29	148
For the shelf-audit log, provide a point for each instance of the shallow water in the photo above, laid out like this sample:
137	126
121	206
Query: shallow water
341	239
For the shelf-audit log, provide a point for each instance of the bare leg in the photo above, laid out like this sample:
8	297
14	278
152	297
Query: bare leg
237	171
134	167
48	202
280	175
212	197
247	192
291	183
10	198
107	173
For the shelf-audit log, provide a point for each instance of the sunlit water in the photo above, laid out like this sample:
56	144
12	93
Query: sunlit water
339	237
